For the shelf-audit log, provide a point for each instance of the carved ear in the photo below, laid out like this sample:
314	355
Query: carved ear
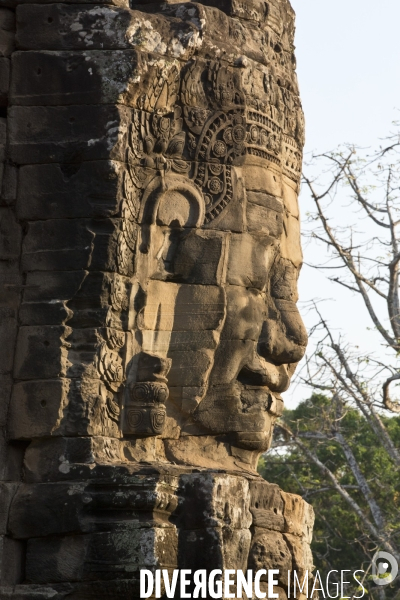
172	200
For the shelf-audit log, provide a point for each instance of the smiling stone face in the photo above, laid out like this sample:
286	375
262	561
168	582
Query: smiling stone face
152	250
172	204
214	162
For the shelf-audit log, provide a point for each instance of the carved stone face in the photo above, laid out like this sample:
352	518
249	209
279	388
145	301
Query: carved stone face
163	249
214	164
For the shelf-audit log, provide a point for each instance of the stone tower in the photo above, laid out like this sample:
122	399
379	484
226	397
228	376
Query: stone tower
150	250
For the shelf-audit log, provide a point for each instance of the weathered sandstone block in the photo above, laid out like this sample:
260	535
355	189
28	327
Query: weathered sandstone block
150	163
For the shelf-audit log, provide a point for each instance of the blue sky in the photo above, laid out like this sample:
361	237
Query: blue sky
348	56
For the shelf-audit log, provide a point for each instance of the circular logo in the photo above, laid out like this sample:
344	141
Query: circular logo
215	185
219	148
384	568
216	168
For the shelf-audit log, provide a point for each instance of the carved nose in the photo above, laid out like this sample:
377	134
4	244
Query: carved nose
281	344
261	372
283	340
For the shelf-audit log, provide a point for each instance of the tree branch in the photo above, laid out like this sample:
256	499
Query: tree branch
352	462
379	537
387	401
348	260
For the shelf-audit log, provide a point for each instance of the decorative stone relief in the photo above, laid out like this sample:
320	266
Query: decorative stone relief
152	158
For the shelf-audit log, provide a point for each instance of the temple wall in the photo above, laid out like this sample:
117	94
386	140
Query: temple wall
91	491
11	290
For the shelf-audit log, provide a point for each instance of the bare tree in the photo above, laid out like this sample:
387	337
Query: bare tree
366	263
363	257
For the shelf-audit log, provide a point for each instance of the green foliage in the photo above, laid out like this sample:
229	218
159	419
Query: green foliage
340	540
